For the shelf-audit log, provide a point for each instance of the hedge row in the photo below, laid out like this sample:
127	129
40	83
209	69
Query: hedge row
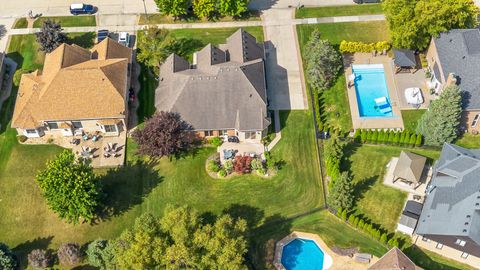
403	138
355	46
316	107
333	152
369	228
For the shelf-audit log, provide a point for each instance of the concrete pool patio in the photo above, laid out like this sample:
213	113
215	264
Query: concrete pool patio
338	262
393	122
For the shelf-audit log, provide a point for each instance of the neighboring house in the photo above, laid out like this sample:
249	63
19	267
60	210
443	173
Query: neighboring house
454	58
394	259
222	93
77	91
451	211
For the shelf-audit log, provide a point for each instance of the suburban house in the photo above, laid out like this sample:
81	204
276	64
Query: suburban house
222	93
450	218
394	259
78	91
454	58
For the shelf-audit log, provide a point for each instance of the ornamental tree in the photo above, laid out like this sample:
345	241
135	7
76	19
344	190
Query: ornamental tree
39	258
232	8
151	46
7	258
101	254
69	254
440	123
164	134
204	8
341	194
70	188
413	23
323	62
174	8
50	36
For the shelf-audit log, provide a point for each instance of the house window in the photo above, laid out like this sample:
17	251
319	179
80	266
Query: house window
439	245
250	135
77	124
460	242
52	125
110	128
464	255
208	133
31	131
223	132
475	120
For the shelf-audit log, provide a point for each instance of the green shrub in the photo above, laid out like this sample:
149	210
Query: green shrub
357	135
22	138
391	137
406	140
216	141
228	166
222	173
396	138
402	138
213	166
374	136
355	46
344	214
369	136
355	222
339	212
361	224
413	139
419	140
381	136
256	164
316	104
383	238
351	219
364	136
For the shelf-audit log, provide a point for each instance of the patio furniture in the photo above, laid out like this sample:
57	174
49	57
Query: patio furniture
363	257
228	154
413	95
381	101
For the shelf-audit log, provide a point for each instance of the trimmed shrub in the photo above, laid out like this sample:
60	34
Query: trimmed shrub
419	140
369	136
351	219
391	137
383	239
216	141
222	172
363	136
374	136
406	140
402	138
355	222
22	138
213	166
357	135
39	258
355	46
413	139
228	166
69	254
316	104
242	164
361	224
344	214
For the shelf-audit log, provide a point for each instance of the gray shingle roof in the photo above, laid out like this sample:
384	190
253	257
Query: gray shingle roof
224	91
452	205
404	58
409	166
459	53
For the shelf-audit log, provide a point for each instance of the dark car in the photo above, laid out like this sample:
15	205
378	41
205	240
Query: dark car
233	139
101	35
77	9
366	1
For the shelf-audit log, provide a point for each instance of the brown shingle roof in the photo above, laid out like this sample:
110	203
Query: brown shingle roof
394	259
73	86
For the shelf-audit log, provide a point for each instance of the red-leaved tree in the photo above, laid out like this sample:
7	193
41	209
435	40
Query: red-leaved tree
242	164
164	134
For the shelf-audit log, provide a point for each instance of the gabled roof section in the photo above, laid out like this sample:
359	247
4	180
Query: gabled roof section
72	87
410	166
110	49
452	205
209	56
243	47
394	259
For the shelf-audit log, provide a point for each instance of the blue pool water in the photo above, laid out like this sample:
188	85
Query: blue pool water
302	254
370	84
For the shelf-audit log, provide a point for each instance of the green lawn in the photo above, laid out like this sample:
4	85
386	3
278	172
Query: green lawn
215	35
468	140
430	260
376	201
410	119
350	10
20	23
68	21
335	107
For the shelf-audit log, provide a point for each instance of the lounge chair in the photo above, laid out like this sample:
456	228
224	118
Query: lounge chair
386	109
381	101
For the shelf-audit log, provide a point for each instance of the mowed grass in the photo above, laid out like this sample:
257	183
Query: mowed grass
68	21
20	23
215	35
367	164
410	119
347	10
161	19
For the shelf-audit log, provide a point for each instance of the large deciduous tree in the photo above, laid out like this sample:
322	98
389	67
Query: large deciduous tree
50	36
440	123
151	46
164	134
323	62
7	259
180	240
174	8
413	22
70	188
341	194
232	8
204	8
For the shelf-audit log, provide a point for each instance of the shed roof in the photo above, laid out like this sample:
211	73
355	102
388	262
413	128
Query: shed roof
404	58
409	167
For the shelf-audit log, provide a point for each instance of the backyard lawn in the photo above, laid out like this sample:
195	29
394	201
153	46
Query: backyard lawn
410	119
331	11
376	201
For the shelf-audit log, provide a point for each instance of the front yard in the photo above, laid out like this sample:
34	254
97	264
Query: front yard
65	21
331	11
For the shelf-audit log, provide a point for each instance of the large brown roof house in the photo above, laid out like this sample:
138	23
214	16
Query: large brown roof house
394	259
222	93
78	90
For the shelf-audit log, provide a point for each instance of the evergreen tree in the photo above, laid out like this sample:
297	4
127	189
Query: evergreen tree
7	258
418	142
341	194
50	36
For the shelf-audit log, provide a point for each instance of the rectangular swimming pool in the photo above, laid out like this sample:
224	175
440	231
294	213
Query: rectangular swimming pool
370	87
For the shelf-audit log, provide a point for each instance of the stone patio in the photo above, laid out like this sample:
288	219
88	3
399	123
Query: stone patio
395	122
242	148
407	80
415	190
98	160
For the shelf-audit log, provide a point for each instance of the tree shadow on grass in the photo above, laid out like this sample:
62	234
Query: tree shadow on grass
364	186
253	215
127	186
22	250
85	40
420	258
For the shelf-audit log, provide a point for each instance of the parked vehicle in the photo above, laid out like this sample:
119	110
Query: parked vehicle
233	139
79	8
124	38
101	35
366	1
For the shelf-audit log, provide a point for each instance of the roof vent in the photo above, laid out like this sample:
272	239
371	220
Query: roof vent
451	40
464	230
466	223
463	57
250	95
468	216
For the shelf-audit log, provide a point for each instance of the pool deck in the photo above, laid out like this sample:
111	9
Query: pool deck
394	122
338	262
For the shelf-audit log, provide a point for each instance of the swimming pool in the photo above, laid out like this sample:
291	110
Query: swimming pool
370	84
304	254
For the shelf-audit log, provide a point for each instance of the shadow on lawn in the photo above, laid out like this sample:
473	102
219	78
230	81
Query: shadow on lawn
127	186
420	258
23	249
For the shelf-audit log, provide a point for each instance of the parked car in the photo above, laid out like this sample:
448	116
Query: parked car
366	1
79	8
124	38
233	139
101	35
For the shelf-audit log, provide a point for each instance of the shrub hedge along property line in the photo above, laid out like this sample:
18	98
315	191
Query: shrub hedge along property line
378	234
357	46
402	138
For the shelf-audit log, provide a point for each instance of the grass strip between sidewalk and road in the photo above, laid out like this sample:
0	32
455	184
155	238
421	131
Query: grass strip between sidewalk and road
333	11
